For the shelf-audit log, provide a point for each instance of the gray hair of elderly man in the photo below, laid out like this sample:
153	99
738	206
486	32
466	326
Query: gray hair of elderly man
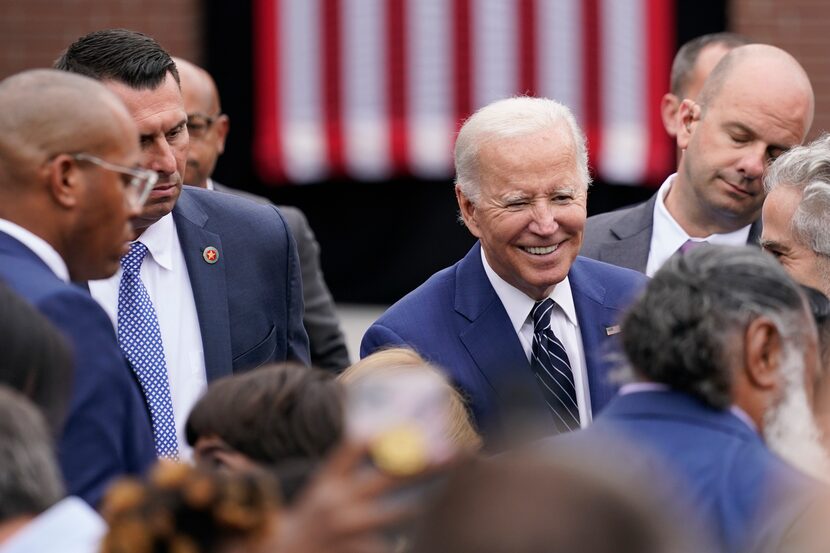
807	168
513	118
687	328
30	481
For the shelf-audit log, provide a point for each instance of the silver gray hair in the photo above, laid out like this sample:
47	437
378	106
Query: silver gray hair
686	329
807	168
30	481
509	118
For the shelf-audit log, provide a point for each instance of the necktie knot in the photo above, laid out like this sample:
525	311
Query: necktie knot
131	262
690	245
541	314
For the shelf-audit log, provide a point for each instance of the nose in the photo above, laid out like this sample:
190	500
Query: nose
752	164
159	157
544	218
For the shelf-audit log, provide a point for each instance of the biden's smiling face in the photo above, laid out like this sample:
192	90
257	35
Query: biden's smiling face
531	210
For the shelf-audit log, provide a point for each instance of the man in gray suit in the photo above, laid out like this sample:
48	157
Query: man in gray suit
208	128
757	103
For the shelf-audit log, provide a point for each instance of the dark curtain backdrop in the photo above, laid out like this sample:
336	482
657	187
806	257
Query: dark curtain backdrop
378	240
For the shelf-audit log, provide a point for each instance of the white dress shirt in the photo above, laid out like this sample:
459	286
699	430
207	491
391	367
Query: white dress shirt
41	247
563	322
69	526
166	279
667	235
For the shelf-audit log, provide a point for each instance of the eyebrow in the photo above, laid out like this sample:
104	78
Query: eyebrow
773	245
736	125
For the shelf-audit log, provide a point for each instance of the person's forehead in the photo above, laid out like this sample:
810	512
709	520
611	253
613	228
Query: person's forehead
196	92
524	162
151	105
777	213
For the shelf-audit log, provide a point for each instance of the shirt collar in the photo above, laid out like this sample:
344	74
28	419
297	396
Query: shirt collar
159	238
519	305
210	185
39	246
671	235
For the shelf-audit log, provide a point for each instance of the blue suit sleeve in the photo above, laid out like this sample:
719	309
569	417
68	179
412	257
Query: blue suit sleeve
297	339
377	337
107	433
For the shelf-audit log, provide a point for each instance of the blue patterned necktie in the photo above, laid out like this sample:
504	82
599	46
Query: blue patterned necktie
552	369
140	339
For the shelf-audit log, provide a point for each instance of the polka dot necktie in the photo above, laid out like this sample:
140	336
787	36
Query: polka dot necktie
552	369
140	339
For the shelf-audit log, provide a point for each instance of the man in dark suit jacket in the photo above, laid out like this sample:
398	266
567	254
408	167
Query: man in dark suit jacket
738	125
66	146
720	345
221	273
521	185
208	128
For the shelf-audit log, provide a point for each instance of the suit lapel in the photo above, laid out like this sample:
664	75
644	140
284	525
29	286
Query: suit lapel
208	283
633	233
755	233
595	319
490	338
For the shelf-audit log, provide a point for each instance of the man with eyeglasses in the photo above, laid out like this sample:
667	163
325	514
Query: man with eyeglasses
211	284
208	127
68	189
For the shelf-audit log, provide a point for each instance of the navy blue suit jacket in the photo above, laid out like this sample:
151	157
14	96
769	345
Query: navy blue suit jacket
744	493
107	433
250	302
456	320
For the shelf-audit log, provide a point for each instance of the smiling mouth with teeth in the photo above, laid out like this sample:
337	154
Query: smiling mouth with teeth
541	250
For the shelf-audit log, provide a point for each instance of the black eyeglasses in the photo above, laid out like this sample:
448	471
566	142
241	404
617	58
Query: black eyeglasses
198	124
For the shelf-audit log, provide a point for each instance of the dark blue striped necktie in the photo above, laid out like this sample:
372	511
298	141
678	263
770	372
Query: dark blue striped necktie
552	369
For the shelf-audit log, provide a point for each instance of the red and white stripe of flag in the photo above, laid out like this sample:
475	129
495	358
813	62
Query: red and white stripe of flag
371	89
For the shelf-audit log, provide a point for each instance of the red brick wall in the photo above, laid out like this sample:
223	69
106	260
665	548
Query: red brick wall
802	27
34	32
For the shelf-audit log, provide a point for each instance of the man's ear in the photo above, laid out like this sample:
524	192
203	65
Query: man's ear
468	211
688	116
64	180
223	125
669	106
763	353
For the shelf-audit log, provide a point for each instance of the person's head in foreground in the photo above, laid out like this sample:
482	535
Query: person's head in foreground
30	482
285	418
68	155
730	327
37	359
399	361
186	509
526	504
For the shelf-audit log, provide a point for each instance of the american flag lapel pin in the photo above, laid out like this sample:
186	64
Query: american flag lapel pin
611	330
